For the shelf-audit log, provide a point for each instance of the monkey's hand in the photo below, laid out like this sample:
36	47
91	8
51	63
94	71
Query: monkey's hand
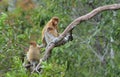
55	40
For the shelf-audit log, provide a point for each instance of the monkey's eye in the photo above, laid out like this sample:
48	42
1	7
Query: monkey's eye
55	23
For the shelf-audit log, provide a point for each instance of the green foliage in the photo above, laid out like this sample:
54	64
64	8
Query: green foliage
16	65
76	58
2	19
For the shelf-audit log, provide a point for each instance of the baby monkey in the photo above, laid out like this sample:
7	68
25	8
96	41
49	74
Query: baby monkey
33	54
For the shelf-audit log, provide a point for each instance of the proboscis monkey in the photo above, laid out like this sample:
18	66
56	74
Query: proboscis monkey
33	54
50	31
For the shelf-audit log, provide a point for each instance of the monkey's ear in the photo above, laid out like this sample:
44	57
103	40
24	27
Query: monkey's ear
33	43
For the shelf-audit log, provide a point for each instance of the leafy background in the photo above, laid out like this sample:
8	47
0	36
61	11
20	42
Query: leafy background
94	52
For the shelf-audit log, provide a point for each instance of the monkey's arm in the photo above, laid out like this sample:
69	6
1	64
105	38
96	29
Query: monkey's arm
50	37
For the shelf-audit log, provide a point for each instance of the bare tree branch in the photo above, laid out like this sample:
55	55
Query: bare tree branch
74	23
83	18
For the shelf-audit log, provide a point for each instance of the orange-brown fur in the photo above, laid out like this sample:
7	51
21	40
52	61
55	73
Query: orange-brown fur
33	55
52	28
